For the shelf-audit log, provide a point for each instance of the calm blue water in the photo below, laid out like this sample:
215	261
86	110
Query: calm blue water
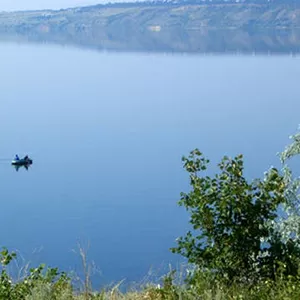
107	132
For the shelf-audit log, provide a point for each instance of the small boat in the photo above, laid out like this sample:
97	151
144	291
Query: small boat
26	161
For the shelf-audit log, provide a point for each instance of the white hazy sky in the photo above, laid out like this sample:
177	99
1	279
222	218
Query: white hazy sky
8	5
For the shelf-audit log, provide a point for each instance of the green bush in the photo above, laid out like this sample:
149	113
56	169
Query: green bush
54	283
231	217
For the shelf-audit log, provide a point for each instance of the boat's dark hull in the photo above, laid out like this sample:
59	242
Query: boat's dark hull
22	162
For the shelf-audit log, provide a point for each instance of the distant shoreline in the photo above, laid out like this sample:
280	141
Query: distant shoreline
171	3
163	27
218	14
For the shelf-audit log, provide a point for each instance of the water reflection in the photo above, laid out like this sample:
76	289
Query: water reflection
168	40
26	167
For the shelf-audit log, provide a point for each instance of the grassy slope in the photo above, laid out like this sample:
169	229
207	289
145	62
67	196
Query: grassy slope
202	290
186	16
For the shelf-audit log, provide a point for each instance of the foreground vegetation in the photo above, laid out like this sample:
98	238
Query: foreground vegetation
48	284
244	242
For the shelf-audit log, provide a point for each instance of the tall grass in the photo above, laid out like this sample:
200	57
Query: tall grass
203	290
48	284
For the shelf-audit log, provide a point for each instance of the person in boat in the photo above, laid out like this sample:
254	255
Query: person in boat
17	157
26	157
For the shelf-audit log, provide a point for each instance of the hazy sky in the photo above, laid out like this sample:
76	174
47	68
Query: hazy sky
43	4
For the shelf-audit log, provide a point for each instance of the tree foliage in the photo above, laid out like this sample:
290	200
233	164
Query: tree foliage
287	226
231	218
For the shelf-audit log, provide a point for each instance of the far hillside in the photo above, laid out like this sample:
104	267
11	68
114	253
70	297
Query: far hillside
167	26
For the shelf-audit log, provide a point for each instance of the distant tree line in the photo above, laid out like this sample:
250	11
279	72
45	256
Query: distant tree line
189	2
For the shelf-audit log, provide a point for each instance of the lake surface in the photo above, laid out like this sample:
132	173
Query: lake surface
107	131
